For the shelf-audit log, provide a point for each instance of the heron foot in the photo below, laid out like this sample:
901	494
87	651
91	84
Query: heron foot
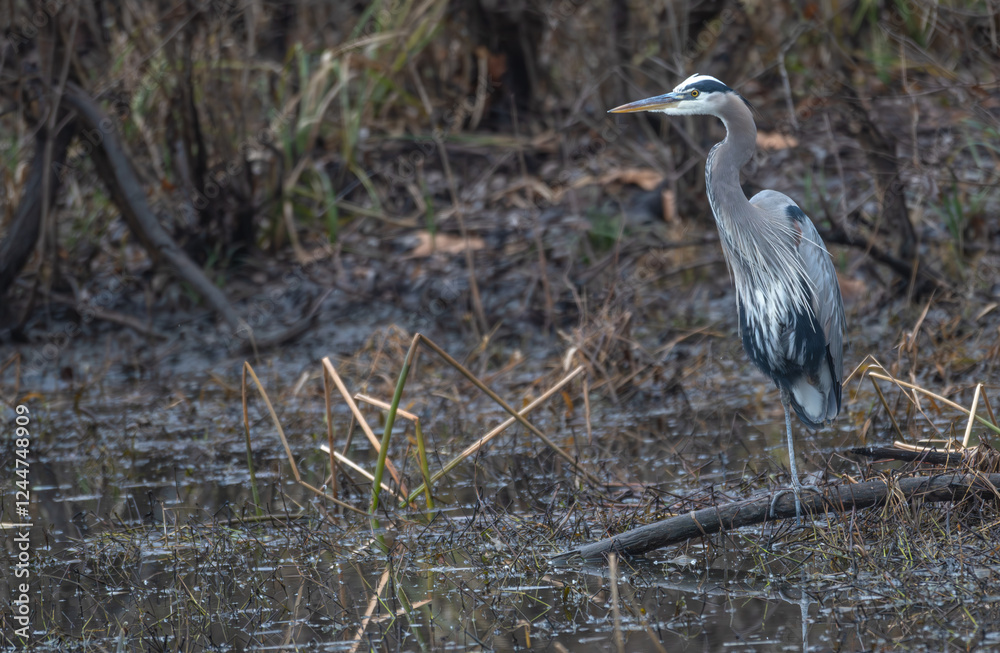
777	497
797	491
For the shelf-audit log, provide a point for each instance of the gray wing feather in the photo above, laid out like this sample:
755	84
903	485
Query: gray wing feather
827	300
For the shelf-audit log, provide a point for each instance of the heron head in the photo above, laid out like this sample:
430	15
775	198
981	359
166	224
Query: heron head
696	95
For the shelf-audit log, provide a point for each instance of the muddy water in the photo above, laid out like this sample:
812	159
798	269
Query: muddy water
143	537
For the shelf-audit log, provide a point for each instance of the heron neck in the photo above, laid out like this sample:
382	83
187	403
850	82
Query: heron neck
722	169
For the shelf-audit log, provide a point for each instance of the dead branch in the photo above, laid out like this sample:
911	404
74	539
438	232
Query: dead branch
301	326
879	146
836	498
106	315
115	169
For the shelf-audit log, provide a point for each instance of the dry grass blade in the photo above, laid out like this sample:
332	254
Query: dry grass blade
989	408
284	440
503	404
476	446
274	417
347	462
888	410
972	415
874	369
378	403
330	374
246	433
397	397
328	406
910	386
331	370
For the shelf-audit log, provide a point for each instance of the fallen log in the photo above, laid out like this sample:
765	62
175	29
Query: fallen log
929	456
815	501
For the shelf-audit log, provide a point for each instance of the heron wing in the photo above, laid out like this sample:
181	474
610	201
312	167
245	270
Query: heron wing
827	300
817	265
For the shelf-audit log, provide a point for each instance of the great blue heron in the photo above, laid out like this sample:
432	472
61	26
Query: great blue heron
791	312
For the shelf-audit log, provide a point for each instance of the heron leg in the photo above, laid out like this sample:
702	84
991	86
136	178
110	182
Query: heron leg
786	403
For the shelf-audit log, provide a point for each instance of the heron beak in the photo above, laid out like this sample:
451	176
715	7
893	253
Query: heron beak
658	103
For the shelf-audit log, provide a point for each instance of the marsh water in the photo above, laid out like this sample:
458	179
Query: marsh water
145	536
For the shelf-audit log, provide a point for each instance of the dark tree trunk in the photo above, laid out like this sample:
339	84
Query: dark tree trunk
21	237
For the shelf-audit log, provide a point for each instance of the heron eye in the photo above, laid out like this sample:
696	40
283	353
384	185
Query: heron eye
694	92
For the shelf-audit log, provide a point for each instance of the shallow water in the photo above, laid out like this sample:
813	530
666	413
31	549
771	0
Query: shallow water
144	537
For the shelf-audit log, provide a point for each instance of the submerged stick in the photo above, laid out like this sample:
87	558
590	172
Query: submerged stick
839	499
